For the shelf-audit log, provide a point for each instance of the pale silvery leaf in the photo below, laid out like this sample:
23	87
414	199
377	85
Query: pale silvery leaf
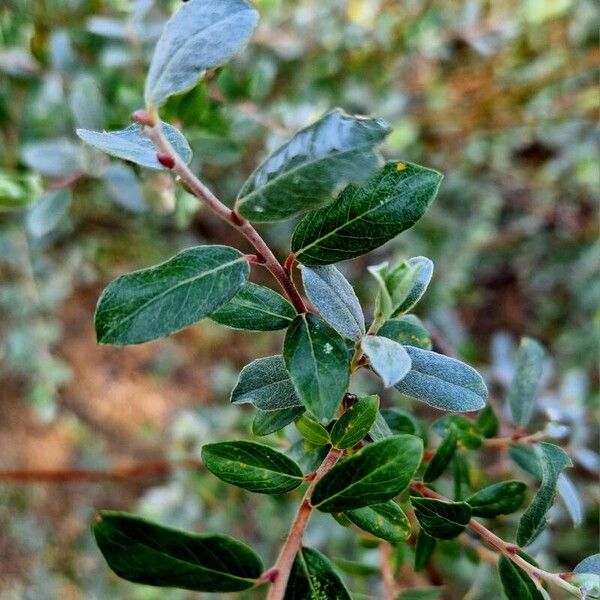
334	298
47	214
201	35
53	158
568	492
124	187
388	359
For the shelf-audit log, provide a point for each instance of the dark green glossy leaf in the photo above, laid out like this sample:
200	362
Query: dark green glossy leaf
526	381
144	552
461	472
442	457
516	582
334	298
132	145
355	423
466	430
152	303
308	457
387	358
375	474
500	498
424	549
401	421
265	383
408	331
553	460
269	421
443	382
386	521
311	431
318	362
313	577
199	36
252	466
441	520
487	422
306	170
364	218
256	308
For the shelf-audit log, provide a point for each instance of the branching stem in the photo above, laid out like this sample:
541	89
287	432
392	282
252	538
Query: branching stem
507	549
293	541
203	193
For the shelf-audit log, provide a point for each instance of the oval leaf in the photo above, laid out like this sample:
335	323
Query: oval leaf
441	520
256	308
323	157
591	564
424	274
355	423
172	558
501	498
252	466
334	298
524	386
199	36
373	475
442	457
553	460
424	549
388	359
386	521
132	145
19	191
516	583
318	362
408	331
364	218
311	431
45	216
152	303
443	382
270	421
266	383
313	577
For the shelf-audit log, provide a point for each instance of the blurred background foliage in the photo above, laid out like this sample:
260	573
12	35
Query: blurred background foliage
502	97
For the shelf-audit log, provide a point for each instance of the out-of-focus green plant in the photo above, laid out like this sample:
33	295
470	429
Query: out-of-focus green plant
367	466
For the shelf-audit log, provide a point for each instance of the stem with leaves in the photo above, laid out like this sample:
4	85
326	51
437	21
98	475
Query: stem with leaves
507	549
167	155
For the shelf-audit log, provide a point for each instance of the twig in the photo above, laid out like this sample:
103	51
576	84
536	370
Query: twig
153	131
150	469
280	572
505	548
504	442
387	571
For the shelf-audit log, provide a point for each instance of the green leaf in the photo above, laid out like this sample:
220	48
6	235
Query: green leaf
269	421
526	381
500	498
355	423
487	422
424	549
527	459
334	298
375	474
318	362
443	382
380	429
266	383
442	457
553	460
306	170
516	582
364	218
466	430
252	466
408	331
387	358
199	36
152	303
424	268
18	191
441	520
386	521
144	552
401	421
311	431
132	145
256	308
423	593
47	214
313	577
461	473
